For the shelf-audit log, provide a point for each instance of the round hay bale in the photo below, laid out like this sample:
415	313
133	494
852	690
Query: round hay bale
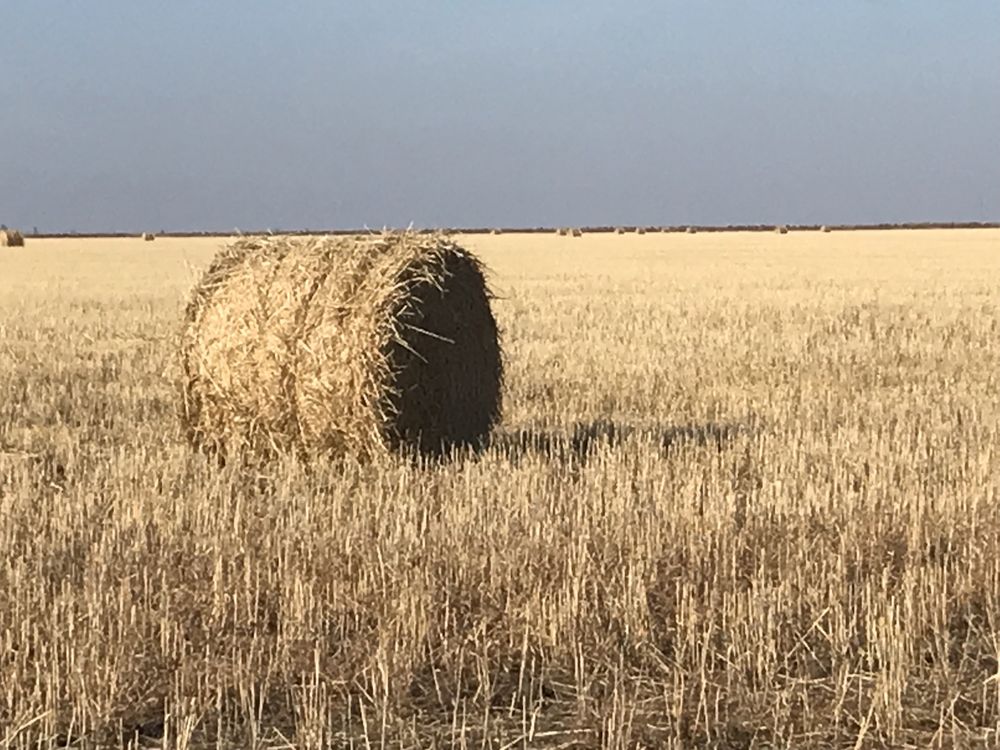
147	237
824	228
691	230
496	231
576	232
640	230
11	238
619	230
341	346
781	229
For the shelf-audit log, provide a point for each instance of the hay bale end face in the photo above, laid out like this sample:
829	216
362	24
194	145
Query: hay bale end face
11	238
341	346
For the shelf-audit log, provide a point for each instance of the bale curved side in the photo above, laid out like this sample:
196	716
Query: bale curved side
11	238
341	346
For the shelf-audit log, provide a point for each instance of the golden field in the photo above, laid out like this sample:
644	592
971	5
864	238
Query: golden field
746	493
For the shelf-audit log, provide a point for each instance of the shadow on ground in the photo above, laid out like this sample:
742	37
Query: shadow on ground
581	440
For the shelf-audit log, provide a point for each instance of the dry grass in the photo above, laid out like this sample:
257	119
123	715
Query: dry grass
745	495
341	346
11	238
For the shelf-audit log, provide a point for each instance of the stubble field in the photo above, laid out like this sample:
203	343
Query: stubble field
745	494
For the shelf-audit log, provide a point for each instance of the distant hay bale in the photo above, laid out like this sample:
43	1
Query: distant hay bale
824	228
562	231
11	238
640	230
691	230
496	231
576	232
619	230
341	346
781	229
147	237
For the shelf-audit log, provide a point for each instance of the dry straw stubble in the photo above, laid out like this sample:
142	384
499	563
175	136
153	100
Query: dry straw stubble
329	347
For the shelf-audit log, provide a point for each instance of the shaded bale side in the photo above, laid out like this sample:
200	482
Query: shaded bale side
331	347
11	238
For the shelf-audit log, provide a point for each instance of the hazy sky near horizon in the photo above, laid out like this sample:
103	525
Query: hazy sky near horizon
124	115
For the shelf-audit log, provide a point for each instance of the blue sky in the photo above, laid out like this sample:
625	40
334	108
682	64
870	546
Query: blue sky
129	115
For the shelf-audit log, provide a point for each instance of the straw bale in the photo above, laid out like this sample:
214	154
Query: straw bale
781	229
147	237
341	346
691	230
824	228
640	230
619	230
11	238
576	232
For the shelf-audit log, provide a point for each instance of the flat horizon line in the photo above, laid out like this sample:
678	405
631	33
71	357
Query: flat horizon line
627	228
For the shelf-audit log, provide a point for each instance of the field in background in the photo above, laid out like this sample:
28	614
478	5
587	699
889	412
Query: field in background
745	495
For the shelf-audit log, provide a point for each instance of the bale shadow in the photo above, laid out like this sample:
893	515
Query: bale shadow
579	443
